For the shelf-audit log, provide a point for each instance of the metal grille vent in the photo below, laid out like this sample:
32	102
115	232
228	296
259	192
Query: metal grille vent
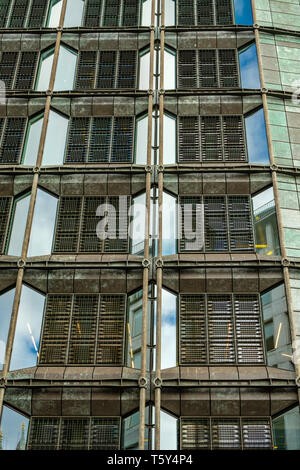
187	69
107	69
224	12
74	434
8	67
12	140
105	433
67	226
127	69
117	241
4	5
209	12
257	434
18	14
86	69
205	12
5	205
26	70
37	14
89	242
92	13
228	68
191	208
189	144
240	224
100	140
195	434
215	224
186	12
248	329
211	138
207	68
233	137
111	13
111	329
122	139
192	329
220	329
130	12
77	140
226	434
43	434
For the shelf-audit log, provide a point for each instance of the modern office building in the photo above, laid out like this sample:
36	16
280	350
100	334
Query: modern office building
149	224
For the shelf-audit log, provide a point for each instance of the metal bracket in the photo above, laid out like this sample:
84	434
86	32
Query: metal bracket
21	263
297	380
36	169
264	91
143	382
285	262
157	382
161	92
148	169
274	167
146	263
151	92
256	26
159	263
3	382
49	93
160	169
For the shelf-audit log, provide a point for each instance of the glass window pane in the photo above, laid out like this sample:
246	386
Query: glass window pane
169	140
43	224
146	13
44	73
6	305
265	223
243	12
14	428
169	225
65	72
168	330
170	71
54	13
55	139
144	70
277	328
32	143
249	67
74	11
286	430
169	12
18	225
168	431
256	136
28	329
137	226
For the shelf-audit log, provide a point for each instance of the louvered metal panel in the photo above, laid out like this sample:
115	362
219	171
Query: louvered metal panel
74	434
105	434
111	329
215	223
122	149
192	329
195	433
117	240
26	70
100	140
92	13
127	69
226	434
256	434
186	12
224	14
205	12
67	225
228	68
240	223
89	242
207	68
12	141
234	139
220	329
187	69
189	148
83	329
4	7
107	69
77	140
211	139
7	67
18	14
43	434
248	329
111	15
131	11
191	223
5	205
37	14
86	70
56	329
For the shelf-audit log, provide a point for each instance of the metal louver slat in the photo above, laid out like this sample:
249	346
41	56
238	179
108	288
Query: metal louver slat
122	140
89	242
220	329
5	204
256	434
234	139
223	12
56	329
37	14
86	70
111	329
100	140
117	239
77	140
191	223
67	226
205	12
8	67
192	329
240	223
226	434
105	433
43	434
127	69
26	70
111	13
92	13
215	223
107	69
186	13
83	329
211	140
130	12
248	329
228	68
18	14
74	434
12	141
4	6
187	73
207	68
195	434
189	145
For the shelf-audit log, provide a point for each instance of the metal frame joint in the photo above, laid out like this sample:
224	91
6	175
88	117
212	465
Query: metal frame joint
143	382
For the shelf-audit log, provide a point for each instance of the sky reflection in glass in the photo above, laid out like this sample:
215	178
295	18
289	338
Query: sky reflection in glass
28	329
74	11
55	139
54	13
6	304
243	12
32	140
11	427
249	68
256	135
18	225
168	333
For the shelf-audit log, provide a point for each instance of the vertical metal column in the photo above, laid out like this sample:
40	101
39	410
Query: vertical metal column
146	262
21	262
285	261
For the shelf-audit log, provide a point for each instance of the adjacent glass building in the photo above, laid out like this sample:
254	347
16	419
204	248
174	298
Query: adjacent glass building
175	327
